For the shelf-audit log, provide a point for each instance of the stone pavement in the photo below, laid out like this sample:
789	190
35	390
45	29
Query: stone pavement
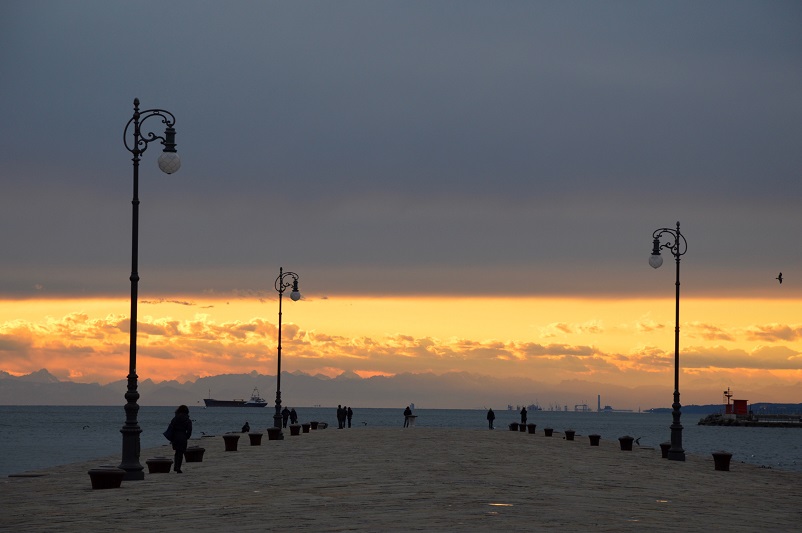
417	479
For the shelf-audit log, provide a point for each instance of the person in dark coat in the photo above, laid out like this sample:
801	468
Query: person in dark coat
246	428
349	413
340	417
293	416
285	415
407	414
490	417
182	431
523	415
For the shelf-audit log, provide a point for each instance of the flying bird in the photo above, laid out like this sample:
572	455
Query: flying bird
780	278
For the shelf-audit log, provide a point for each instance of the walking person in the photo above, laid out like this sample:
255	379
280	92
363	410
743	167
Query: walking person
182	431
293	416
523	415
407	414
349	413
490	417
285	415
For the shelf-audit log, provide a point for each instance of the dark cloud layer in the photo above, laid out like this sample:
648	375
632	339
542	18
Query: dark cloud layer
461	147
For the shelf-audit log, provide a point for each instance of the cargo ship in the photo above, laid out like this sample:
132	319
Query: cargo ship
255	401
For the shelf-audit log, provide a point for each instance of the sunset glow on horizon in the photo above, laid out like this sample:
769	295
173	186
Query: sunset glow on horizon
751	345
472	188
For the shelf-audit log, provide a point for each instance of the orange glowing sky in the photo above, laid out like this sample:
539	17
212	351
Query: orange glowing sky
753	346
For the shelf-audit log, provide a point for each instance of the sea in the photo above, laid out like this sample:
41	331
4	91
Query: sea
38	437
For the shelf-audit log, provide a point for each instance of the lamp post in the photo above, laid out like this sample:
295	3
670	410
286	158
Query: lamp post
282	282
169	162
677	245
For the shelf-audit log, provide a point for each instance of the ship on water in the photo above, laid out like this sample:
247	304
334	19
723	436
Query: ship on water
255	401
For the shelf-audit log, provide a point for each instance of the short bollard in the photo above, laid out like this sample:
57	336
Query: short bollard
569	434
313	424
106	477
231	441
532	428
522	428
159	465
626	443
256	438
514	426
594	439
274	433
548	431
721	460
194	454
295	430
664	447
305	427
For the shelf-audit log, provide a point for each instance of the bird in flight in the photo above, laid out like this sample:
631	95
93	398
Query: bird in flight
780	278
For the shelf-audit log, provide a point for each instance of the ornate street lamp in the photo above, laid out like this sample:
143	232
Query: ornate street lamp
169	162
281	284
677	245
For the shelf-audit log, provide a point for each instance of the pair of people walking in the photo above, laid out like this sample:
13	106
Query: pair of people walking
289	414
344	415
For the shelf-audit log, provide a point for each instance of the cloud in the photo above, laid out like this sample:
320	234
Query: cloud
774	332
168	301
762	357
647	325
467	173
709	332
96	347
564	329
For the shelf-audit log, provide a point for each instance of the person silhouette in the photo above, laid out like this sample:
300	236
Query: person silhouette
407	414
490	417
182	431
246	428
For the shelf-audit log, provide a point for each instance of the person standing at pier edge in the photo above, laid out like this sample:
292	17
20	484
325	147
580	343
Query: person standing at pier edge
490	417
523	415
340	417
293	416
349	413
407	414
182	431
285	415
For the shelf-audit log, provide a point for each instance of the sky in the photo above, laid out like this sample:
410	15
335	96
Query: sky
461	186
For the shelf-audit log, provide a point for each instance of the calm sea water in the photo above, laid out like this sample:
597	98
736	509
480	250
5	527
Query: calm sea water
36	437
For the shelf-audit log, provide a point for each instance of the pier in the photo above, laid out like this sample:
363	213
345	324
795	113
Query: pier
420	479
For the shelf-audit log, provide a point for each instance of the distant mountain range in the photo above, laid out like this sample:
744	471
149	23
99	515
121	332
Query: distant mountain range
454	390
445	391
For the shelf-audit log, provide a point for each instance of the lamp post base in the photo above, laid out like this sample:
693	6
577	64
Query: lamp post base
676	455
675	452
